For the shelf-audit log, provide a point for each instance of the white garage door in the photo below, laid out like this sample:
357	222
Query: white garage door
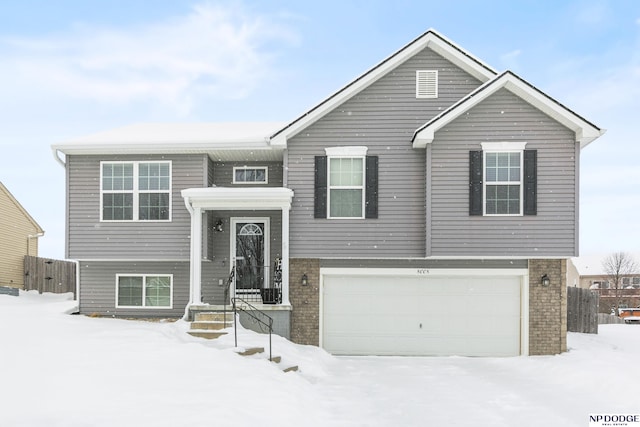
408	315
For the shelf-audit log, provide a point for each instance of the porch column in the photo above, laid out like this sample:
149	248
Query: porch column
285	257
196	256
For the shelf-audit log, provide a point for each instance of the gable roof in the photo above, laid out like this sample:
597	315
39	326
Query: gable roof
21	208
430	39
585	131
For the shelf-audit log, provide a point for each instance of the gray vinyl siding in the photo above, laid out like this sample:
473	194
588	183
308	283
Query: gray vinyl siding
382	117
98	287
222	260
223	174
89	238
503	117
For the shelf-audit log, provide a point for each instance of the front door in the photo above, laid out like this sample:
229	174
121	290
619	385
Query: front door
250	250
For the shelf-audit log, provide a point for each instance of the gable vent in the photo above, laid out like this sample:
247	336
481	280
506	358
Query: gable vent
426	83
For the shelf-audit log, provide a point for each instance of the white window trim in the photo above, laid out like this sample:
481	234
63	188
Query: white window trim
264	168
136	191
352	151
502	147
426	84
347	153
144	282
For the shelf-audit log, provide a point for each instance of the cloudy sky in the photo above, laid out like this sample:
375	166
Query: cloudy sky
71	67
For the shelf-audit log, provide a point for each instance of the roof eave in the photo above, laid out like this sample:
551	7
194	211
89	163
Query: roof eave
585	131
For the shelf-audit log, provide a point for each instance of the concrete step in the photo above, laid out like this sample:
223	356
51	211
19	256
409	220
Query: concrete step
210	325
291	369
210	316
251	351
207	334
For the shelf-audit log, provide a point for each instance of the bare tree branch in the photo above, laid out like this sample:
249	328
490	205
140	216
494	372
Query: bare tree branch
616	266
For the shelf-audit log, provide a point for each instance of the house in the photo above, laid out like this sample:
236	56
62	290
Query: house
428	207
19	234
590	274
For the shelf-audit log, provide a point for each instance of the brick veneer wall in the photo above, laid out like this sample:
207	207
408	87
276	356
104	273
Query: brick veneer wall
305	301
547	307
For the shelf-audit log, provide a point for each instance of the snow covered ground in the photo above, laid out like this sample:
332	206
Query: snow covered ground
62	370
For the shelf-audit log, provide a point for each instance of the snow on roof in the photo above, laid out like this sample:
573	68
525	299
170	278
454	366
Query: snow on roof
151	133
225	140
591	265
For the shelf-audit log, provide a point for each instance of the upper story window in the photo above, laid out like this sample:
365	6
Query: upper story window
503	183
426	83
346	184
346	187
135	191
250	175
503	180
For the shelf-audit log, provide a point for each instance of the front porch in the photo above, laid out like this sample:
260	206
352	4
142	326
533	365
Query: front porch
239	246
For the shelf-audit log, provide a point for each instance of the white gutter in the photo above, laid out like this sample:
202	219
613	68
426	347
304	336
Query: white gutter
32	236
57	157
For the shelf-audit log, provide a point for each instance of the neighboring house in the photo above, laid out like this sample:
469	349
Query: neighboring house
19	234
591	275
429	207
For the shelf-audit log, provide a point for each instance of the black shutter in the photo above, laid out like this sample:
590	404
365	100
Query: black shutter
320	193
475	182
530	182
371	188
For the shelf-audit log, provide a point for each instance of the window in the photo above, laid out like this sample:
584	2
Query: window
503	180
346	187
503	183
149	291
253	175
426	83
346	184
136	191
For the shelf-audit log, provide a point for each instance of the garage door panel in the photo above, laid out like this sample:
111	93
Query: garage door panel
471	315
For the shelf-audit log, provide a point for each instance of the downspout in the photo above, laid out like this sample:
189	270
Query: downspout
187	203
76	262
32	236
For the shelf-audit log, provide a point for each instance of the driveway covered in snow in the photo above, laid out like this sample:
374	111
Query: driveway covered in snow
64	370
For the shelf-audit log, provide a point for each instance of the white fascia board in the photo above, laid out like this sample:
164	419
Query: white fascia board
430	39
585	131
226	198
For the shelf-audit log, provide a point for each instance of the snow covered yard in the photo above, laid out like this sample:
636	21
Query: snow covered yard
63	370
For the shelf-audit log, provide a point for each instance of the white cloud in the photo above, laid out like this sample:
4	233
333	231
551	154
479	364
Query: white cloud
221	51
510	59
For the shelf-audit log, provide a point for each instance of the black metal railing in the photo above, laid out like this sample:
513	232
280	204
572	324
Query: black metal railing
256	284
262	320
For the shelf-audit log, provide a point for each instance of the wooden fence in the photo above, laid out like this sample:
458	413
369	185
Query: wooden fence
582	310
607	319
49	275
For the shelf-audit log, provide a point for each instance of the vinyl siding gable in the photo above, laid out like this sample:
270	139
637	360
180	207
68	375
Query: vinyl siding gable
504	117
383	118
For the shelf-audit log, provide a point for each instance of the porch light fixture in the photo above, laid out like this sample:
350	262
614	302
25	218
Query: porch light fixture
305	280
218	226
544	280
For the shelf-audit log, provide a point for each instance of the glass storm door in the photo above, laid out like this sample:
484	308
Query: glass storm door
250	255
